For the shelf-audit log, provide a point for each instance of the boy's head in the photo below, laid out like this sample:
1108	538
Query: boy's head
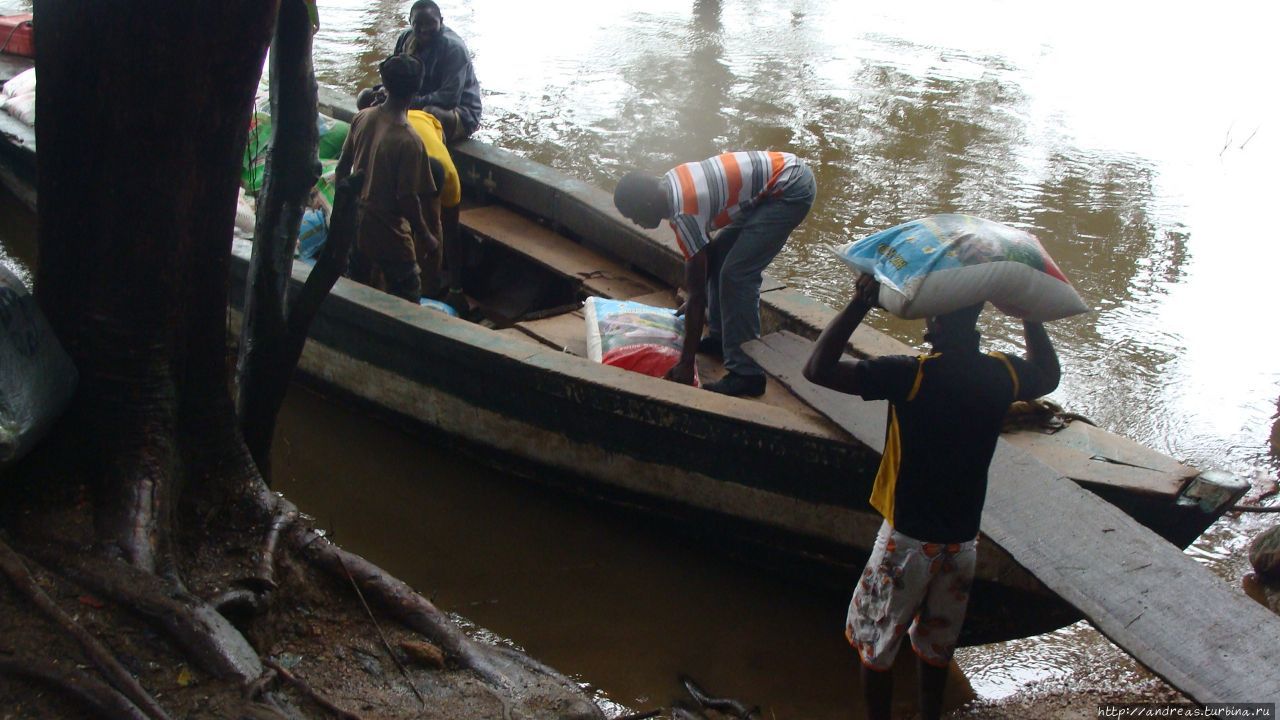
640	198
401	75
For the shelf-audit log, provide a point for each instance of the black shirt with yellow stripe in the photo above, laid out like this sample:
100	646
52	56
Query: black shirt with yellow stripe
946	411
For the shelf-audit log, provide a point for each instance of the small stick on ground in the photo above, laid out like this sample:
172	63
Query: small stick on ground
381	635
120	678
311	692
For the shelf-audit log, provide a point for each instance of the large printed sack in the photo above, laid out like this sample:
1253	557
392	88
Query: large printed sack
254	164
322	193
246	216
37	378
332	134
634	336
942	263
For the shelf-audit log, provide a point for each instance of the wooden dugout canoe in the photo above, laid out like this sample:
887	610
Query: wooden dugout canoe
770	478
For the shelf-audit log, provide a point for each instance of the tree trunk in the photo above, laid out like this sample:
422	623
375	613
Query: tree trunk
133	272
290	174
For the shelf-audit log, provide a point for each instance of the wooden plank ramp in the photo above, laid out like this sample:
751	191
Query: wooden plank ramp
598	275
1170	613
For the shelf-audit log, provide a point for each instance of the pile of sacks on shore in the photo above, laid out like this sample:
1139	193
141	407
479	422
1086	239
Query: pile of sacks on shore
18	97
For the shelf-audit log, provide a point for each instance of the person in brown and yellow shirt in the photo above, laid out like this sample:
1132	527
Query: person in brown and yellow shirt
398	233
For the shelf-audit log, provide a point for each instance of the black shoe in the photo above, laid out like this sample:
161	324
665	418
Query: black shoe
738	385
711	345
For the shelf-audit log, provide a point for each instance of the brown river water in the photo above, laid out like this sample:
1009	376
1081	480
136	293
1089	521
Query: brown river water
1136	140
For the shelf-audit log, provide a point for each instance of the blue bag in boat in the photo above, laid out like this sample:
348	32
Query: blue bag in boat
312	234
438	306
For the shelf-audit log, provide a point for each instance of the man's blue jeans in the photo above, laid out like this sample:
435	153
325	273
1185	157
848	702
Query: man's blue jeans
738	257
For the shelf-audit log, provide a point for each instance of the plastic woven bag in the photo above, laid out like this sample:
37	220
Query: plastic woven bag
942	263
634	336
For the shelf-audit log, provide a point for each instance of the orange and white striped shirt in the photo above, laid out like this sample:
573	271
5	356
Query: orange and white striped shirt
711	194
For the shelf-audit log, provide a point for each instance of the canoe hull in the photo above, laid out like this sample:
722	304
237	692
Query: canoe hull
788	500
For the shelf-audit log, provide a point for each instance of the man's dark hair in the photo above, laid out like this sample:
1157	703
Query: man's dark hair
633	194
424	5
401	75
956	328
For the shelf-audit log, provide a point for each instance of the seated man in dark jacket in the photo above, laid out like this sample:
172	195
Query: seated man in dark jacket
449	89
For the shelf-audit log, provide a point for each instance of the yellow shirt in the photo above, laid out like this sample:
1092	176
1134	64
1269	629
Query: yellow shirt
432	134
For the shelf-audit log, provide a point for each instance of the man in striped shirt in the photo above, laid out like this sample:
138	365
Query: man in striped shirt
754	199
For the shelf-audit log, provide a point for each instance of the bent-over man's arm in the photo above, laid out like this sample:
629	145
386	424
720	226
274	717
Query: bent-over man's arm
695	313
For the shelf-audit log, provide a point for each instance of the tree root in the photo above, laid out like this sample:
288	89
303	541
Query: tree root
211	641
238	602
383	637
104	699
286	514
400	600
311	692
120	678
727	706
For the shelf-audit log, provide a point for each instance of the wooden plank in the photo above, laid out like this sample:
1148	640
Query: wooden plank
662	299
599	275
514	333
1089	455
566	332
1162	607
783	354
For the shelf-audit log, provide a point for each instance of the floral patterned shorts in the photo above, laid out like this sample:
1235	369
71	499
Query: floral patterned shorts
910	587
